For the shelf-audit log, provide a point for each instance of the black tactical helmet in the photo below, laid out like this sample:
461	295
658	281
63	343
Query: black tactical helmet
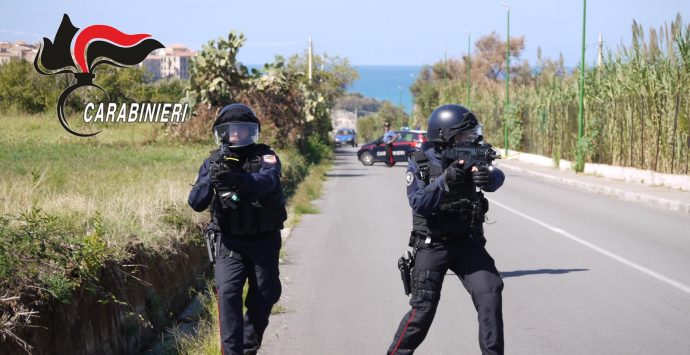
447	121
236	112
236	126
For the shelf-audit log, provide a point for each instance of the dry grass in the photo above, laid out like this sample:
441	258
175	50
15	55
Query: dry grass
132	179
121	174
127	186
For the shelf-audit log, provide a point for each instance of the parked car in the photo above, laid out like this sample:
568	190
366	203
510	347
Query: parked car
346	136
406	143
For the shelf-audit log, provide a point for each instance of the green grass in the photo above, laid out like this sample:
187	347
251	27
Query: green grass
70	204
206	340
121	174
310	189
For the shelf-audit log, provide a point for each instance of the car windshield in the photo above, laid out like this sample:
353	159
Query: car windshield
343	132
405	136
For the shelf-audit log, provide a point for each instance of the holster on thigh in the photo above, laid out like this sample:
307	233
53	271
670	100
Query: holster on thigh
426	287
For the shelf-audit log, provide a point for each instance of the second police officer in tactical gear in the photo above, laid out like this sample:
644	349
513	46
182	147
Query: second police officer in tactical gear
240	182
447	232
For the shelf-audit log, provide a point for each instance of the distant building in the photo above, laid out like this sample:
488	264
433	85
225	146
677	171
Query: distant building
343	119
152	64
18	50
171	62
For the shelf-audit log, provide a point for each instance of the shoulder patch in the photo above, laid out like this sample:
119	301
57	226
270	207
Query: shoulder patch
269	158
409	177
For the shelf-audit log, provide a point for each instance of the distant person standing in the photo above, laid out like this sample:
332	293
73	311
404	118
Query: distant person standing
388	138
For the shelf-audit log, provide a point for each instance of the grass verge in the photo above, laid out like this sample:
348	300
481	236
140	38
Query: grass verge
69	205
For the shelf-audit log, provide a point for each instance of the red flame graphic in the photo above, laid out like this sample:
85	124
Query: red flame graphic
105	32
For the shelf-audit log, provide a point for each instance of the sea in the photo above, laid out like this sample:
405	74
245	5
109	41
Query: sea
383	82
387	82
393	82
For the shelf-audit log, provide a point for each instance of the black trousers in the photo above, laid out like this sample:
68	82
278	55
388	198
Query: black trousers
390	160
477	272
254	260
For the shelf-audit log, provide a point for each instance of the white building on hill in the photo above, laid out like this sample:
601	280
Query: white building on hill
170	62
18	50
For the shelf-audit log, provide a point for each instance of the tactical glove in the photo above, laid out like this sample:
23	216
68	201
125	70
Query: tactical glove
454	173
481	177
221	175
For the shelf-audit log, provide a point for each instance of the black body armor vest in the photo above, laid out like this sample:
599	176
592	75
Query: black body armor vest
265	214
459	214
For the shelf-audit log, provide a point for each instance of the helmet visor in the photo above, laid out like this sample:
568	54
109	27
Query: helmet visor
236	133
471	136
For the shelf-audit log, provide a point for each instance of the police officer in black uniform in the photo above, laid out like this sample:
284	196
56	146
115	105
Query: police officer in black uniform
240	182
447	233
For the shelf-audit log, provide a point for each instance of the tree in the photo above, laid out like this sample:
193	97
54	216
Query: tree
330	75
121	84
444	81
356	101
371	127
291	110
21	88
489	58
215	75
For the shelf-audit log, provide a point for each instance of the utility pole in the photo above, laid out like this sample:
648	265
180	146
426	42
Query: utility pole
412	111
412	104
310	59
400	106
507	102
468	64
580	164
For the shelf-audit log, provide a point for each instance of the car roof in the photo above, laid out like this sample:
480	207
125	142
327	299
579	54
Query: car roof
412	131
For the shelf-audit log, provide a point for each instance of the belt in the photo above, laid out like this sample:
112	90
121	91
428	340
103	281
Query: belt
417	239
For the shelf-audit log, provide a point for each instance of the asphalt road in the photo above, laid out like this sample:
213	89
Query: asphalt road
583	273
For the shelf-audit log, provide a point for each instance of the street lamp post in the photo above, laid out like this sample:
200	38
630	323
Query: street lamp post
580	124
507	102
400	106
412	103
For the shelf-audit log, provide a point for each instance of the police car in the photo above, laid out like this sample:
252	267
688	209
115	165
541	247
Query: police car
407	141
346	136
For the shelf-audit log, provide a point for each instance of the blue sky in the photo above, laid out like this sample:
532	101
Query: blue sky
367	32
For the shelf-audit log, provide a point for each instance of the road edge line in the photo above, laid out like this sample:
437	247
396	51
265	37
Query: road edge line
608	191
649	272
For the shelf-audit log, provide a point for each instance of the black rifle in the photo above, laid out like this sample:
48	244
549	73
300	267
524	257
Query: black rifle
405	264
227	194
479	155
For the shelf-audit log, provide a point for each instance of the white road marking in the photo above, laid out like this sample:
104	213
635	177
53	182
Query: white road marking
611	255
